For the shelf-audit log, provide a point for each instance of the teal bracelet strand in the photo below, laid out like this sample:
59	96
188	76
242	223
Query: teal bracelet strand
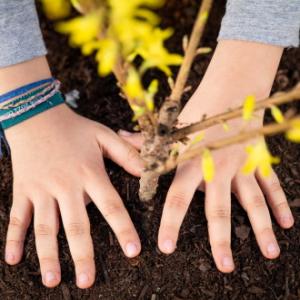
53	101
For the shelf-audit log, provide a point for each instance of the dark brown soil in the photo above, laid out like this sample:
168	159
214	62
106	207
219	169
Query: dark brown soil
190	272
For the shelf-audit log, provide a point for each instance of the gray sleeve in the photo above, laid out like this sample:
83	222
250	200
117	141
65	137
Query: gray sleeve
275	22
20	35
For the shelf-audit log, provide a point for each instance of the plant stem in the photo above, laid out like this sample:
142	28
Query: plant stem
267	130
278	99
155	150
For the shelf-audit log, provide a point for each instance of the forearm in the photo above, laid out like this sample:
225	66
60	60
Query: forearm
237	69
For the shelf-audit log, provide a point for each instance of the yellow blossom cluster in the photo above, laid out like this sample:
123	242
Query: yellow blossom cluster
119	31
113	28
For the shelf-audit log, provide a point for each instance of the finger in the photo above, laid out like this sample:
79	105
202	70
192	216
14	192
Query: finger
253	201
134	139
20	218
101	191
218	214
276	199
121	153
77	227
180	194
46	229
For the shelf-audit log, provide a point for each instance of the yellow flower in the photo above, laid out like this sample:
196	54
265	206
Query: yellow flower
259	158
134	90
133	87
277	114
56	9
293	134
107	56
197	139
208	166
225	126
138	111
248	108
154	53
150	94
82	29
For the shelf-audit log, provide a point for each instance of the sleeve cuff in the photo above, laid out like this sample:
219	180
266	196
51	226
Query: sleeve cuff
275	22
20	33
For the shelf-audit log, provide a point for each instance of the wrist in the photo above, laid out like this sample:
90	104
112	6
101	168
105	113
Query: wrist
24	73
237	69
38	125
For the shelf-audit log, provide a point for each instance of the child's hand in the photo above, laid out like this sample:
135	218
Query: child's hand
238	69
228	179
58	168
249	190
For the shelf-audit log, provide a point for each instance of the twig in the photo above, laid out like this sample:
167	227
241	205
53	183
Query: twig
181	133
267	130
171	107
191	50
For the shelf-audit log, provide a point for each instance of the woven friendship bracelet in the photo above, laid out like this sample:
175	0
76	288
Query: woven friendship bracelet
28	101
20	106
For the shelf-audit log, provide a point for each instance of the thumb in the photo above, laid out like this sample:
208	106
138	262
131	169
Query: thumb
122	153
134	139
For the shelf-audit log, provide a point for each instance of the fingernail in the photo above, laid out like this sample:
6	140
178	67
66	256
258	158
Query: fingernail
227	262
287	220
168	246
50	277
125	133
272	249
83	278
9	257
131	249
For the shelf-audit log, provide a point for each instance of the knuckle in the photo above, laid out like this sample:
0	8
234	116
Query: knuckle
266	231
16	222
12	242
224	244
222	163
48	260
82	260
257	201
60	183
168	228
131	154
112	208
281	205
126	232
43	230
178	200
218	213
275	186
77	229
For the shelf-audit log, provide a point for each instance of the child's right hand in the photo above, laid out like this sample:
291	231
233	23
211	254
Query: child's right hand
58	166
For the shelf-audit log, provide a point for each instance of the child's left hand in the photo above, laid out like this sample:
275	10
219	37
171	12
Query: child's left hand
248	189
